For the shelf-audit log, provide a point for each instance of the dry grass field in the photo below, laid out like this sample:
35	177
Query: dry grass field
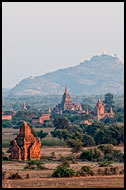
75	182
42	178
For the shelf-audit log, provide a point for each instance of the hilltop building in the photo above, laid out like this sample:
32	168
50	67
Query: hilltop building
25	146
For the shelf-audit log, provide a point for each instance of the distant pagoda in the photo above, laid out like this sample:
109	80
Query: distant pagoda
67	104
24	107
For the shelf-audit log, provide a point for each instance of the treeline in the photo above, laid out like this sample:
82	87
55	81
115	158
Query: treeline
97	133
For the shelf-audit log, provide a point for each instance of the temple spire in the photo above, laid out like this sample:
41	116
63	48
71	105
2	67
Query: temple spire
99	100
66	90
87	111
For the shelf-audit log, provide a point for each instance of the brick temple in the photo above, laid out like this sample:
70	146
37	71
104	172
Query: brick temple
67	104
99	111
6	117
41	119
25	146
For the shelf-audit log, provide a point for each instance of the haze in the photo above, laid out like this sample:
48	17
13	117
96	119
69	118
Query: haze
42	37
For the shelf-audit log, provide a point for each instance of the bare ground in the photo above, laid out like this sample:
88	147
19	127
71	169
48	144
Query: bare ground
74	182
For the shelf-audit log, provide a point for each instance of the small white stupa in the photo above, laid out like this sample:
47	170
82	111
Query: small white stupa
105	53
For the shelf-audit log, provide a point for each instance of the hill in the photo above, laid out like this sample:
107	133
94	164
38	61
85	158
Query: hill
100	74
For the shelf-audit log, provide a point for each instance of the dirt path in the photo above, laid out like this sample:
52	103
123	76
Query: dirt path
80	182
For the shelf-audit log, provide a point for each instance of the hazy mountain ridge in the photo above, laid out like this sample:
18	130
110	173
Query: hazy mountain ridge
100	74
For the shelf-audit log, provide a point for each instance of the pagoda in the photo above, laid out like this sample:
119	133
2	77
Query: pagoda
25	146
66	103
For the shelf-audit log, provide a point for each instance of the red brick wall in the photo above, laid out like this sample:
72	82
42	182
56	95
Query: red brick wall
7	117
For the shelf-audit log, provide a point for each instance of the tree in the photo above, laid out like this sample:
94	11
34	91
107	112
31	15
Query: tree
63	171
75	145
6	124
61	134
42	134
92	154
62	123
106	148
109	120
109	101
88	140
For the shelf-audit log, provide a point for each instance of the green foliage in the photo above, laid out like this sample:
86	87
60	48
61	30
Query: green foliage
106	171
86	170
106	148
32	164
93	128
6	124
61	134
65	162
85	106
109	102
53	142
27	176
109	120
100	171
62	123
15	176
114	170
63	171
116	156
6	144
33	131
4	157
42	134
3	175
77	136
75	145
104	163
110	135
92	155
88	140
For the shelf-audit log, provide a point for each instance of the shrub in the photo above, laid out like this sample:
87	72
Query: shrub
86	170
15	176
63	171
76	145
106	171
53	155
122	171
3	175
106	148
88	140
114	170
92	155
53	142
65	162
32	164
42	134
118	156
104	163
4	157
27	176
74	161
100	171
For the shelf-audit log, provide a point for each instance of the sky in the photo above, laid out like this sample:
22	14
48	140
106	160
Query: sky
41	37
